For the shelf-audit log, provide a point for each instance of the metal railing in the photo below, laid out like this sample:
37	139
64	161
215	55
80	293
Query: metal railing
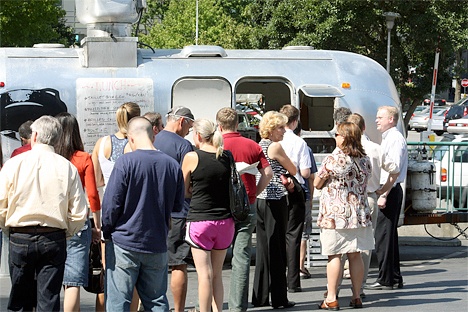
450	160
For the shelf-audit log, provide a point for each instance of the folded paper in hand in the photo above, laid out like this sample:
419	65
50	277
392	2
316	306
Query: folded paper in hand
243	167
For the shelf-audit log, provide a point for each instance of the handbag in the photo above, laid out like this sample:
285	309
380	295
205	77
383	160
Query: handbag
239	199
295	191
96	271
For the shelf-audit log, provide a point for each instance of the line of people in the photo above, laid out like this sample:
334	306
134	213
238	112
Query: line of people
148	227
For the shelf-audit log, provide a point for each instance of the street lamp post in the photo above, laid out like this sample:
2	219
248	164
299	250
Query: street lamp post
390	18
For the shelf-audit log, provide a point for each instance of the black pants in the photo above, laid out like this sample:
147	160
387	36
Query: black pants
386	239
42	255
294	231
270	268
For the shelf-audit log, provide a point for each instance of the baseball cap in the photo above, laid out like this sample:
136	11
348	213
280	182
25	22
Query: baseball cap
181	111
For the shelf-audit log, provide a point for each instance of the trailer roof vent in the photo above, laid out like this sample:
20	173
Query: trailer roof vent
48	45
202	51
298	48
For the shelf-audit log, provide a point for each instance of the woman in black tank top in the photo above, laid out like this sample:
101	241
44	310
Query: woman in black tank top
210	227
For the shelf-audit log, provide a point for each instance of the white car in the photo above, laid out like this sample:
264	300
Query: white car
458	125
451	163
419	121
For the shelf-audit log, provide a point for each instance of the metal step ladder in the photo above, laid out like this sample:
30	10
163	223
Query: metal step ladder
314	250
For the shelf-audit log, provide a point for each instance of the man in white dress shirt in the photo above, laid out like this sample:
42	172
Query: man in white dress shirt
296	149
395	165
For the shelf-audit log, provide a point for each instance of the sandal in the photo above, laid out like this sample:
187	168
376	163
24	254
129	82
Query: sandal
333	306
325	294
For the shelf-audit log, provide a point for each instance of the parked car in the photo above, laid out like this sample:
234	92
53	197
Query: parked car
417	110
451	163
458	125
419	121
438	100
438	122
456	111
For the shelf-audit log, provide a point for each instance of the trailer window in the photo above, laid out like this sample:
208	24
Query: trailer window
204	96
317	105
275	92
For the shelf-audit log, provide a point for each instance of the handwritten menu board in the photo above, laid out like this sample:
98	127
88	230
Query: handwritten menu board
97	100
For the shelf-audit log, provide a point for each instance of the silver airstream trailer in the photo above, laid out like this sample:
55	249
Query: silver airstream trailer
109	69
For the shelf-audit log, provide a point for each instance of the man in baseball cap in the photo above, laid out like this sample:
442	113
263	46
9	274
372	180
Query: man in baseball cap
182	118
171	141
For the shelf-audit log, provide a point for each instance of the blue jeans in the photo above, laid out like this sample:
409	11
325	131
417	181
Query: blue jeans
42	255
241	252
128	269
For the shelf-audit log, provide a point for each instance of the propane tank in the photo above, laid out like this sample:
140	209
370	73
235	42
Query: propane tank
421	181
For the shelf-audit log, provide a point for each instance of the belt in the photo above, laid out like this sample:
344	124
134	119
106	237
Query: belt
35	229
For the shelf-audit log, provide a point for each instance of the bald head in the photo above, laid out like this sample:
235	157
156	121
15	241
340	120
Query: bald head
140	133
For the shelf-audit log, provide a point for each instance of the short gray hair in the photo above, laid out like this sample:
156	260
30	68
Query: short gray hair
48	130
341	114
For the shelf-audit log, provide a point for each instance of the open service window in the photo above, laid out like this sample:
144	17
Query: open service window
270	92
204	96
317	103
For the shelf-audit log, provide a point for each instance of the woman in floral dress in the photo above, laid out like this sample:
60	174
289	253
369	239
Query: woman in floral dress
344	215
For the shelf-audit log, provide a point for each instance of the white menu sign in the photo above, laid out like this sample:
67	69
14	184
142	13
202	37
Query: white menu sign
97	100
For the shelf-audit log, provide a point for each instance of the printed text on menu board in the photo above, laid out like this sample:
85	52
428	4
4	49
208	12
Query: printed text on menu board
97	100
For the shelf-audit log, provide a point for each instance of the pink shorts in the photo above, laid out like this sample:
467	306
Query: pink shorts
208	235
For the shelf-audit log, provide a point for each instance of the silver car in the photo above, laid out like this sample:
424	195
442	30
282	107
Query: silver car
420	120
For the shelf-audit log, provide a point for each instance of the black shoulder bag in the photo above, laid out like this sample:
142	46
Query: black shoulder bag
239	199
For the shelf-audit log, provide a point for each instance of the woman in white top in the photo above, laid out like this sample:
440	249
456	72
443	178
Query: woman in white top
109	148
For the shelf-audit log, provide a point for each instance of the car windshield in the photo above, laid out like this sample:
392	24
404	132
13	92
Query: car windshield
420	109
440	150
461	101
439	110
459	155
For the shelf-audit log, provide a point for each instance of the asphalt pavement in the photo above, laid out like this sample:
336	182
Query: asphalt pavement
435	279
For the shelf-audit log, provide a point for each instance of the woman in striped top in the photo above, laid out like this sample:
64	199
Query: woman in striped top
272	218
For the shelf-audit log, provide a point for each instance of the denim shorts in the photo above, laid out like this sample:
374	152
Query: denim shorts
77	263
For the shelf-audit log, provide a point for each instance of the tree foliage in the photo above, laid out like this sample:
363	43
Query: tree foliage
26	22
355	26
154	14
358	26
219	24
